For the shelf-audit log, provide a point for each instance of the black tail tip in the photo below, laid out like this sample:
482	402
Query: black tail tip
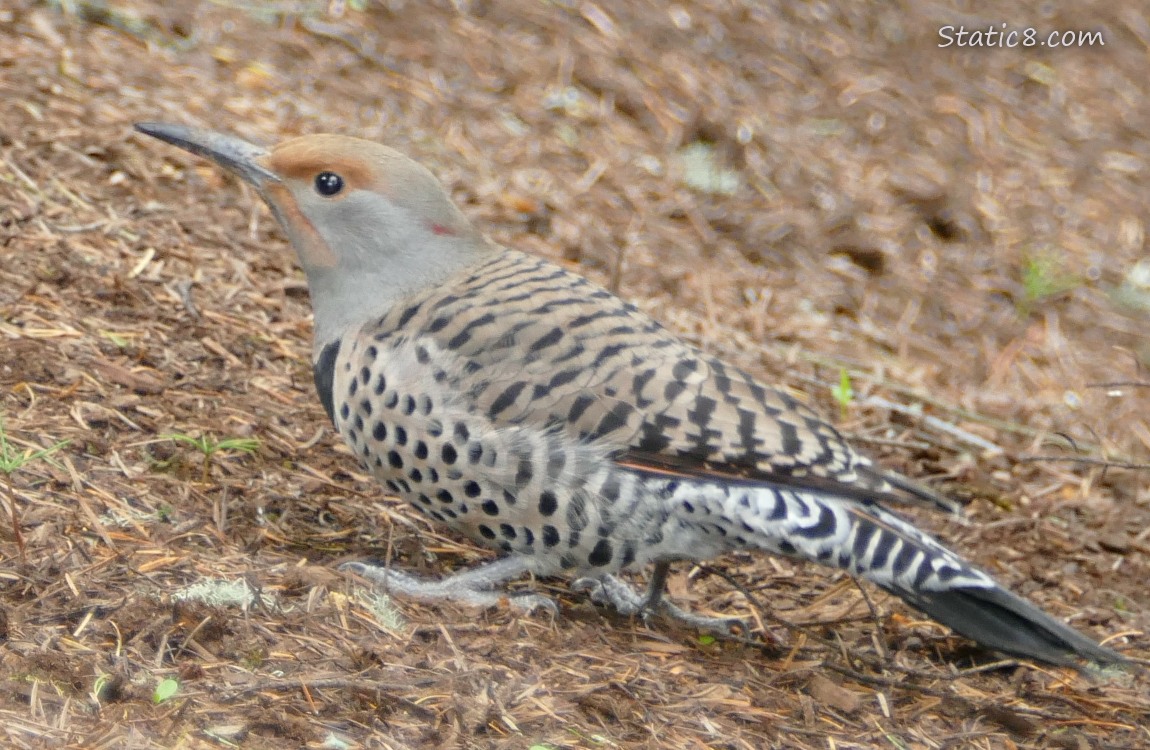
1000	621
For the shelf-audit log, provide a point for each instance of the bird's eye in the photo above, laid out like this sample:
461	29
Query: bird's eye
328	183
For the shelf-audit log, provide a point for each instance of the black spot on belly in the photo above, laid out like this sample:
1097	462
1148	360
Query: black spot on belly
548	503
610	489
490	508
486	531
550	536
602	553
524	473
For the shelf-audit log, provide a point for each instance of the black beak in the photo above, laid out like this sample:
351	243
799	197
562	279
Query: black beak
233	154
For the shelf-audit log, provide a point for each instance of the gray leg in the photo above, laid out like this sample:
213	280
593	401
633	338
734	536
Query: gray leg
656	586
619	595
471	587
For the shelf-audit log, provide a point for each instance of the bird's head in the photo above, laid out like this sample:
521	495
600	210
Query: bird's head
369	225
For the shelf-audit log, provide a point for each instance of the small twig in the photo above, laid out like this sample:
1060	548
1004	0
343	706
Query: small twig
760	608
101	14
886	682
1121	384
190	637
856	437
856	372
79	228
1104	462
366	685
345	37
875	617
184	290
938	424
16	533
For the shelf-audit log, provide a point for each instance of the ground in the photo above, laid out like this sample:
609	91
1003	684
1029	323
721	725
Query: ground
810	191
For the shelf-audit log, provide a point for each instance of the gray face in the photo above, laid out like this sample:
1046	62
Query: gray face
388	229
364	250
363	229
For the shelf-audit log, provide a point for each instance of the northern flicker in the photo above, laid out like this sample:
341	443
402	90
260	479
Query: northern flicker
542	416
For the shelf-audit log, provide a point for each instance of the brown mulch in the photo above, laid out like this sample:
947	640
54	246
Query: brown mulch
959	229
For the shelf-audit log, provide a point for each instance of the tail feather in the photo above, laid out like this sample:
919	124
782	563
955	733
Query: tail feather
873	543
967	600
999	620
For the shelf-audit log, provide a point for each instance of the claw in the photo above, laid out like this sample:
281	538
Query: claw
593	587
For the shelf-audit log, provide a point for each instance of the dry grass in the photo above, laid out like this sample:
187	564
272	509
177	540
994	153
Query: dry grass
902	210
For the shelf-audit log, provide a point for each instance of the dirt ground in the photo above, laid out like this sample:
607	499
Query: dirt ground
961	230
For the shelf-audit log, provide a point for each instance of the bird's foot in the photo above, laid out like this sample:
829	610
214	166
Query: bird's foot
471	587
613	592
610	591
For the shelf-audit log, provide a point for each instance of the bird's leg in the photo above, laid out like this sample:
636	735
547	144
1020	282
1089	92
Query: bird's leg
612	591
472	587
656	586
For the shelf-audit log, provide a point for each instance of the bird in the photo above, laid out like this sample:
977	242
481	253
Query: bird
544	417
